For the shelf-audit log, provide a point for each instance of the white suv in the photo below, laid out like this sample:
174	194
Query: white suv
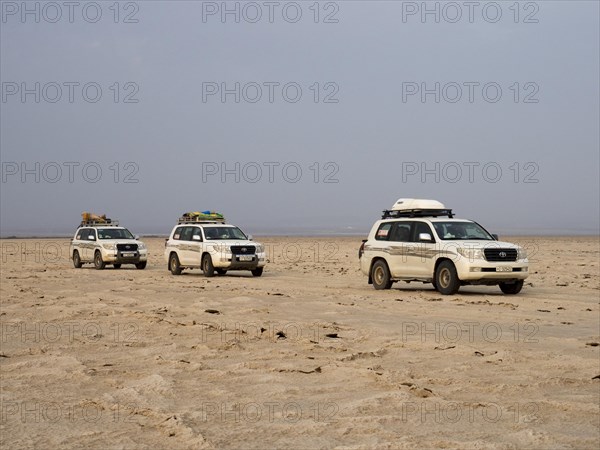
212	247
106	243
420	240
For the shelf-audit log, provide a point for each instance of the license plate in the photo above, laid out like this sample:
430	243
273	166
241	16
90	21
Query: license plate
246	258
503	269
128	255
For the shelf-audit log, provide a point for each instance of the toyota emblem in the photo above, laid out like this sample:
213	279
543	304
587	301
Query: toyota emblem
502	254
243	249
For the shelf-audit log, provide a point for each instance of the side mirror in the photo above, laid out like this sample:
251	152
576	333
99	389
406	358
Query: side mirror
425	237
250	237
136	237
196	237
91	237
495	236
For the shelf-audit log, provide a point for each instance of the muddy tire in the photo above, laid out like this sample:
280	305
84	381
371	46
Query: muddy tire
446	278
380	274
512	288
207	266
99	264
174	265
77	260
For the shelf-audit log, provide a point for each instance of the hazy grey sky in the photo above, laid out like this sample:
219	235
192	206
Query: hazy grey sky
340	98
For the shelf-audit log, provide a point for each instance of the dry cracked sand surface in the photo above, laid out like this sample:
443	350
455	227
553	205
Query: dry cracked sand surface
307	356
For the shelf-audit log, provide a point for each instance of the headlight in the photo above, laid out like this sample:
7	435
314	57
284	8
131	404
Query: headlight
141	246
471	253
521	253
109	246
260	248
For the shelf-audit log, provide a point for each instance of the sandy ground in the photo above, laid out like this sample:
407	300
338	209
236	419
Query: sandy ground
307	356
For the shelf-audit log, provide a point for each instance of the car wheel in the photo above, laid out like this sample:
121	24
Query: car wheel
207	266
77	260
174	265
141	265
221	271
512	288
446	278
257	272
98	263
117	266
380	274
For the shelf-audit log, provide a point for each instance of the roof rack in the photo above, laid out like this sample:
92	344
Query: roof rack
99	223
201	217
199	220
393	214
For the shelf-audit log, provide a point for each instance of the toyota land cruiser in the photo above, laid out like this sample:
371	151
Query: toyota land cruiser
213	246
420	240
104	243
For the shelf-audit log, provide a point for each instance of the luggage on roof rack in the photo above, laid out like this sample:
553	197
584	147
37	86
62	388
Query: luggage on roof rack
415	207
91	220
393	214
202	217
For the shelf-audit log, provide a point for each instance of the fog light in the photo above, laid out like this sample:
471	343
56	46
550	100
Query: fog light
475	269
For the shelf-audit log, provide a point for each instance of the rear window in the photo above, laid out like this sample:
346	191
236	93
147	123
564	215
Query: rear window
384	231
177	233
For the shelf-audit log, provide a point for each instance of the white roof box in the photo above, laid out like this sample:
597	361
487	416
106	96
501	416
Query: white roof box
416	203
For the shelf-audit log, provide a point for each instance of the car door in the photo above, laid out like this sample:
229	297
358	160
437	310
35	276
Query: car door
176	244
185	246
400	260
87	244
422	251
77	241
195	246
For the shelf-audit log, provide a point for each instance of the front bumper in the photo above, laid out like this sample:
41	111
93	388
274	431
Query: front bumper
481	270
238	262
125	257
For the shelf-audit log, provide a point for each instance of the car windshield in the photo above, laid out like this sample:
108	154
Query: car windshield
451	231
223	233
114	233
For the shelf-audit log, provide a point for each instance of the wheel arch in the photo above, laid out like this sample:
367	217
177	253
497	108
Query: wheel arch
438	262
373	261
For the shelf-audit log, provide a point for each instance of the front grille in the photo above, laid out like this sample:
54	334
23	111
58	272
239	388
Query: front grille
500	254
243	249
127	247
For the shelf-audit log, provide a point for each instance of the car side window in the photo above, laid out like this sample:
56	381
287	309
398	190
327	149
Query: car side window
177	233
92	232
383	231
81	234
400	232
197	232
186	233
421	227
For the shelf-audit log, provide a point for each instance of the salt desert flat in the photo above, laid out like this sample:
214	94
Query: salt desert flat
307	356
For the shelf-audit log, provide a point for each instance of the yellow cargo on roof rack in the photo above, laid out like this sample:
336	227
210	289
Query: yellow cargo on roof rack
91	219
202	216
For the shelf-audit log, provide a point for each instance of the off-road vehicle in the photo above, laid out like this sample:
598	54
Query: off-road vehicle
420	240
212	245
105	242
